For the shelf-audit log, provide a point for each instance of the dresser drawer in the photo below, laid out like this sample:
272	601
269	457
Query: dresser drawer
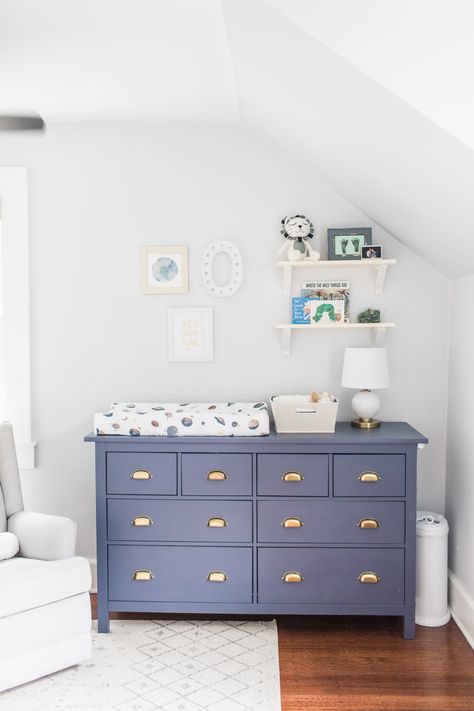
369	475
292	474
217	474
141	473
297	521
180	574
331	575
179	520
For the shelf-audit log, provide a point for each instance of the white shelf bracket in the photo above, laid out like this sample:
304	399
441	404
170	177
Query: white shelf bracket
378	336
287	281
380	274
286	341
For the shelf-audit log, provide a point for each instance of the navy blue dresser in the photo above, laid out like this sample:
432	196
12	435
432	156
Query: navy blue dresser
283	524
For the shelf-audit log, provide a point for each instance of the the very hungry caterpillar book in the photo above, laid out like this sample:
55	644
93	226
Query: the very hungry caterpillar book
327	291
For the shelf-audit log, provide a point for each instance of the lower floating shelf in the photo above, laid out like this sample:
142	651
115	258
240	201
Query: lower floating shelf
378	331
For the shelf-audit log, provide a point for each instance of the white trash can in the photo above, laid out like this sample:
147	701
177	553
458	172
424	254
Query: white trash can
431	569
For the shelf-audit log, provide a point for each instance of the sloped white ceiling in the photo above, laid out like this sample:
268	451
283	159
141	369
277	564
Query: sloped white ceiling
119	60
421	50
401	169
370	93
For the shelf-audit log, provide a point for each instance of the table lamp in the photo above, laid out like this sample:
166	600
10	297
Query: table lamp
365	369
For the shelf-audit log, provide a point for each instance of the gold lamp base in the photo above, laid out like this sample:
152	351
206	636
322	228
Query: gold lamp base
365	424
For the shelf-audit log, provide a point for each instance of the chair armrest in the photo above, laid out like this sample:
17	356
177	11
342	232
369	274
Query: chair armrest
43	536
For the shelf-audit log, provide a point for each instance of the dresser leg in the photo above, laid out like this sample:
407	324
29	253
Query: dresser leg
409	627
103	622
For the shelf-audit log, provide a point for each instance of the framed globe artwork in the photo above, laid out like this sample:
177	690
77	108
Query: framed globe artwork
165	269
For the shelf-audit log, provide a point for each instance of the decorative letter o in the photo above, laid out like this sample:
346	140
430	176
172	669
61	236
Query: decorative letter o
237	268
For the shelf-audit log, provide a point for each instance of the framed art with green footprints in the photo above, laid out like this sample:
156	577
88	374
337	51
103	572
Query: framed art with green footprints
347	243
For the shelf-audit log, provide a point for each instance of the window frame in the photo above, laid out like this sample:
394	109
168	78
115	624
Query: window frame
16	371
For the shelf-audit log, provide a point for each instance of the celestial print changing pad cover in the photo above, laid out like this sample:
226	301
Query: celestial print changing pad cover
192	419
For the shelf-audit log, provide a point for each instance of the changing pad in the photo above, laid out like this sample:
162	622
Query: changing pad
192	419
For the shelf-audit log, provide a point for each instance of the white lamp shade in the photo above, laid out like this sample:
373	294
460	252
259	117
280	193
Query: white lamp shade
365	369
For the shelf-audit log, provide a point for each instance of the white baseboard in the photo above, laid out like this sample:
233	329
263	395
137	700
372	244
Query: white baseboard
462	607
93	565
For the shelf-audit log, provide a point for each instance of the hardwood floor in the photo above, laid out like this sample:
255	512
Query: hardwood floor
364	664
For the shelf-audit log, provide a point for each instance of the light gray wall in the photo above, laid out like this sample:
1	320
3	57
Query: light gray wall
98	193
460	465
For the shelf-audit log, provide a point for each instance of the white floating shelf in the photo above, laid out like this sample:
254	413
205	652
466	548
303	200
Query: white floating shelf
378	331
379	268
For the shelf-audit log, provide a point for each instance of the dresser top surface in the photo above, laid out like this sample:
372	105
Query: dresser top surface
388	433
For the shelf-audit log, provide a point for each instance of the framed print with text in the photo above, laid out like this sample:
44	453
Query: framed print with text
190	334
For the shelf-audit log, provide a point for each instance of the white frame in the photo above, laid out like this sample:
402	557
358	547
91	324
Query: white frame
165	250
204	317
16	311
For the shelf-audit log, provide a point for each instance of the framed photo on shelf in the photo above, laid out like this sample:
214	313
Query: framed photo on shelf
346	243
165	269
371	251
190	334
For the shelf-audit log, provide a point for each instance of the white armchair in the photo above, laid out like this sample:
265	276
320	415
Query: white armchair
45	617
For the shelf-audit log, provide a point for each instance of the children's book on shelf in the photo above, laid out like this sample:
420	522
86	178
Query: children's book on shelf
326	312
301	310
327	291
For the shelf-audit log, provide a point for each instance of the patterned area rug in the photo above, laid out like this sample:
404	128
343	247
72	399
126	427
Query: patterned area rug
171	665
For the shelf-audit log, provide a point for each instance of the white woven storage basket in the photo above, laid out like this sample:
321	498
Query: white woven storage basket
297	413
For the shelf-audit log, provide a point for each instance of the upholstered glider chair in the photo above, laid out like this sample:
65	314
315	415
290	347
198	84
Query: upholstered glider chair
45	617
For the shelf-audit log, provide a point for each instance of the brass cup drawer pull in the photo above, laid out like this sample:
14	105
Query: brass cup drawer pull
367	477
141	474
292	577
369	578
217	475
143	575
217	523
292	476
142	521
292	523
217	576
368	523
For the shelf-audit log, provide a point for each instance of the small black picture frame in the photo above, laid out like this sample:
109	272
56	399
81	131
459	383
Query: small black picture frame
371	251
346	243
